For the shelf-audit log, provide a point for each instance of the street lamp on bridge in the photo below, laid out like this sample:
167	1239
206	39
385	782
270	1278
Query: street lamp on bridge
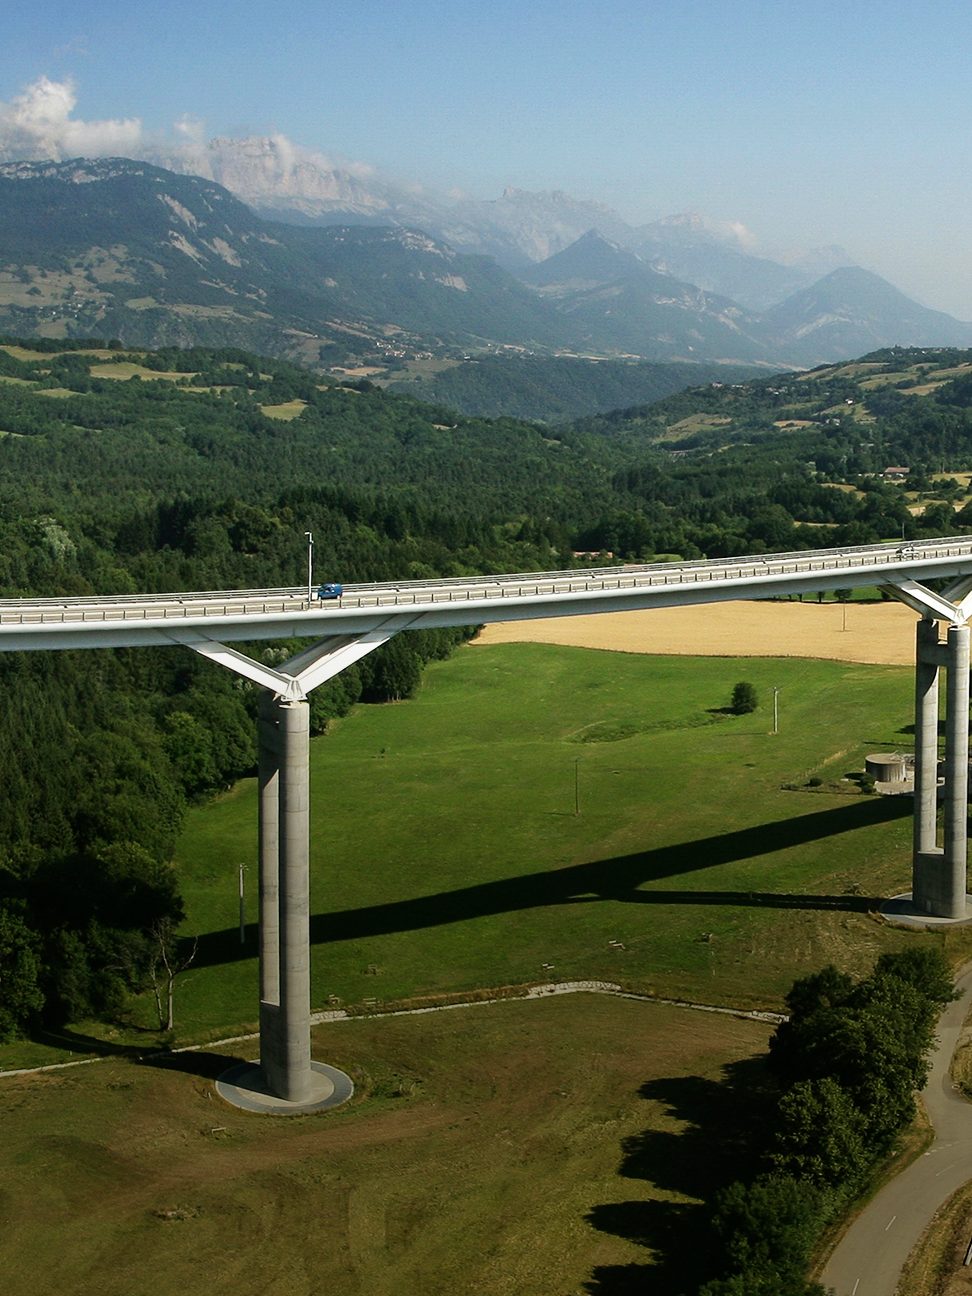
310	565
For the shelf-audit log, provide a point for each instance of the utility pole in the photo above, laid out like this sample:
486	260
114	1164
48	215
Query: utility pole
242	910
577	785
776	709
310	565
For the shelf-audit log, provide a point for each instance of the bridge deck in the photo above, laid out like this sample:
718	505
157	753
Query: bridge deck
129	619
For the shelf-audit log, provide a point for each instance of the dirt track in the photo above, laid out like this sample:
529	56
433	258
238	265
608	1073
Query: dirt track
883	633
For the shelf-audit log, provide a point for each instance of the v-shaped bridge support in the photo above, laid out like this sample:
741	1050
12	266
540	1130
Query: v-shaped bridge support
295	678
286	1070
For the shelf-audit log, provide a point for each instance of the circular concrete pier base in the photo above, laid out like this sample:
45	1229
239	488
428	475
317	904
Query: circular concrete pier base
244	1086
900	912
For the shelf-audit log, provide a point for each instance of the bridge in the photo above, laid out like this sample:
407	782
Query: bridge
344	630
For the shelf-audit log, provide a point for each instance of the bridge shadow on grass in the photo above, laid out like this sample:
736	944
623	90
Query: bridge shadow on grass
75	1041
716	1143
198	1062
619	879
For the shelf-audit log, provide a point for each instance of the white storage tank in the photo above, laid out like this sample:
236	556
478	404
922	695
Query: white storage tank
886	767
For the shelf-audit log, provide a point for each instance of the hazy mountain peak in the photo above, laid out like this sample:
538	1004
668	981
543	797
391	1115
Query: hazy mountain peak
852	281
590	259
838	314
694	228
268	172
594	238
817	260
683	220
118	248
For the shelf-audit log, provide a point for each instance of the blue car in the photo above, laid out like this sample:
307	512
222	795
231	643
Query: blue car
330	591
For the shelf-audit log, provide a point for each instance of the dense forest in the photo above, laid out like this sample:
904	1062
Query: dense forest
202	469
558	388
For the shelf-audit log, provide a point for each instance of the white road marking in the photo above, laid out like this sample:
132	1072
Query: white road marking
856	1285
890	1222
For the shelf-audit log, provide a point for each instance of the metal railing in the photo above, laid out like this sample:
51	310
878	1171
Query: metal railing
860	563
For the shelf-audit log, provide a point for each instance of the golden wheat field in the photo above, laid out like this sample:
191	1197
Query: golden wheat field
882	633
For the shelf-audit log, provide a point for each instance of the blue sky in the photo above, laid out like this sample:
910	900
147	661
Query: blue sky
810	123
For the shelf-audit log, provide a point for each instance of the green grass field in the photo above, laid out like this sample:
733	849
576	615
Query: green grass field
526	1148
447	855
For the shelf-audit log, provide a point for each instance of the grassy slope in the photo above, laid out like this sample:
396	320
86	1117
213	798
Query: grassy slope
447	855
520	1161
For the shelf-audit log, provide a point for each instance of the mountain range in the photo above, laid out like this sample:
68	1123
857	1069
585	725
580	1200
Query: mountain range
114	247
284	182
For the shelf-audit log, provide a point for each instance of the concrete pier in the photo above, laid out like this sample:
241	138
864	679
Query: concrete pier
286	1080
956	771
269	820
285	898
939	872
927	655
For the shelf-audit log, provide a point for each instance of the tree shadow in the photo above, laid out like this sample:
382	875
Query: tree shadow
620	878
716	1144
670	1230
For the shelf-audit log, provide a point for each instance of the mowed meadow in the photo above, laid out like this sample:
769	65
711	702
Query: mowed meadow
523	1148
545	813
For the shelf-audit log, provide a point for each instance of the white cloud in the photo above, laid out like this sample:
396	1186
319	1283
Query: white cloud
743	236
39	124
190	129
286	156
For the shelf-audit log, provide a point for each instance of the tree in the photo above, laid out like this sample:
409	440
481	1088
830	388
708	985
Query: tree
189	746
768	1229
827	988
168	961
874	1046
392	674
744	698
925	969
820	1137
20	993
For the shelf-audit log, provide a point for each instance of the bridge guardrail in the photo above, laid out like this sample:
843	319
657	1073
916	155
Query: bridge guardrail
128	607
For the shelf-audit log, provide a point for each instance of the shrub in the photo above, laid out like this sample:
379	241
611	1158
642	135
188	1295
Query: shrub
744	698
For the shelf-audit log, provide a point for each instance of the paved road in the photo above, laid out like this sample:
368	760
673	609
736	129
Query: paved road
870	1256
